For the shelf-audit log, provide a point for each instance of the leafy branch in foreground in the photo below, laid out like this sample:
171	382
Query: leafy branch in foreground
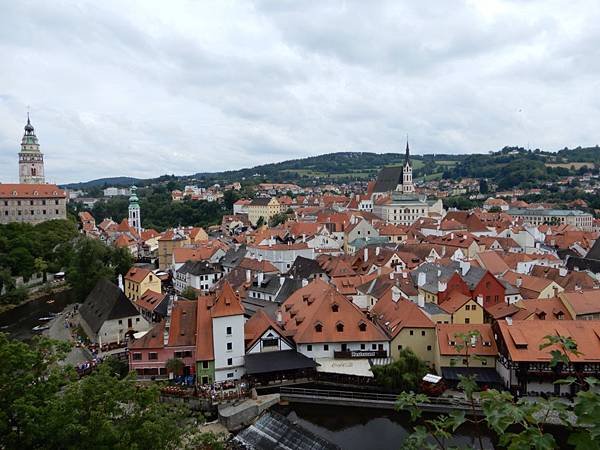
519	424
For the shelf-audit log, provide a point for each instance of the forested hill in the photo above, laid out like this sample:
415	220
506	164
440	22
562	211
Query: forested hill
509	167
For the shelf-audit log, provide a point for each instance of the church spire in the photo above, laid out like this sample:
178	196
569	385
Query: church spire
407	156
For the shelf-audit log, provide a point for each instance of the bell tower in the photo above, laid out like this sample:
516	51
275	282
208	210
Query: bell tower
135	219
31	159
407	182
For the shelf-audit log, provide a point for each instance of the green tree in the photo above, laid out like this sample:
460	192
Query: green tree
405	373
189	293
91	260
41	266
260	222
44	405
277	219
175	366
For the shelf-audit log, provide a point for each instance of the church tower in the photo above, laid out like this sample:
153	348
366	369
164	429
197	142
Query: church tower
135	219
407	182
31	159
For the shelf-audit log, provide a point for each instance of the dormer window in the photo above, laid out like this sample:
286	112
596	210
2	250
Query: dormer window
335	307
362	326
339	327
318	328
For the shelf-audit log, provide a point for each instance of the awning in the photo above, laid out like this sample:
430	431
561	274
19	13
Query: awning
483	374
277	361
358	367
430	378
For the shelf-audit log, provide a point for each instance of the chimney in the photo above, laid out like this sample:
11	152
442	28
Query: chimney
422	279
519	282
121	283
304	282
377	250
260	258
395	294
303	237
404	275
391	275
509	321
451	236
421	301
248	275
261	278
562	271
366	253
442	286
480	300
279	318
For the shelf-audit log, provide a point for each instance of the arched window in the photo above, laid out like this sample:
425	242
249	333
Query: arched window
339	327
362	326
318	328
335	307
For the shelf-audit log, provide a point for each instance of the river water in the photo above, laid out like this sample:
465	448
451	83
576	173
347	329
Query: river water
18	322
364	428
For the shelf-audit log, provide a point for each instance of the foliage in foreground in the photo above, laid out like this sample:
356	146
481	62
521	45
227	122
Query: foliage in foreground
45	405
519	424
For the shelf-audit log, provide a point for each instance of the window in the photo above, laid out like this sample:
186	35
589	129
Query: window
309	348
326	347
429	348
468	308
137	319
318	328
373	346
152	356
228	331
487	298
205	364
362	326
56	202
120	322
340	327
465	361
335	307
137	356
484	362
362	346
412	332
399	347
230	361
422	332
229	346
467	320
230	375
272	342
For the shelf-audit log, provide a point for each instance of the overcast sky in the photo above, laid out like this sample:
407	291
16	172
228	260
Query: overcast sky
146	88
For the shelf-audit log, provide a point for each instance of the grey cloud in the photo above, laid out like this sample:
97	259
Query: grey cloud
148	88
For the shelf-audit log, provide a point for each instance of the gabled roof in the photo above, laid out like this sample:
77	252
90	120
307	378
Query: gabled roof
105	302
258	325
305	268
395	316
583	302
387	179
485	344
151	300
137	274
200	268
255	265
523	340
319	306
493	262
204	331
455	301
227	303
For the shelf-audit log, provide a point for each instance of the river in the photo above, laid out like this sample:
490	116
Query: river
364	428
18	322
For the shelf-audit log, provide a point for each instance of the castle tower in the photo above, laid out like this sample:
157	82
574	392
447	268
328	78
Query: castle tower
407	182
31	159
135	219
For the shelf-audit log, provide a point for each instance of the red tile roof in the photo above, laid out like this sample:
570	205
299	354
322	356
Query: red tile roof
485	344
31	191
227	302
319	306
